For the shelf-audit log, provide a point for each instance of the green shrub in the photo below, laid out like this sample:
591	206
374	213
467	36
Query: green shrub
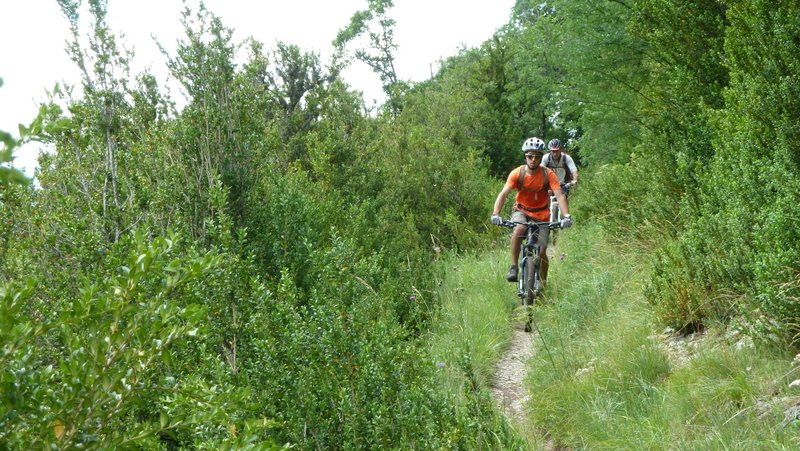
99	371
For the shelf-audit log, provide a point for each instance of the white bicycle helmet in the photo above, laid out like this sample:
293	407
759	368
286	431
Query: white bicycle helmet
533	145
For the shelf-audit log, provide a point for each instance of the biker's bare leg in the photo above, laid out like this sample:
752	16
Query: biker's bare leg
545	263
516	241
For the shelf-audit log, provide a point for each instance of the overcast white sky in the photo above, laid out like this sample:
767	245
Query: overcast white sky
33	35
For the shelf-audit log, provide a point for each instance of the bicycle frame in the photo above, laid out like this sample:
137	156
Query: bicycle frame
529	285
555	211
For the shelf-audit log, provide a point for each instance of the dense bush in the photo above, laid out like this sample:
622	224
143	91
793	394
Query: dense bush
291	309
99	371
746	247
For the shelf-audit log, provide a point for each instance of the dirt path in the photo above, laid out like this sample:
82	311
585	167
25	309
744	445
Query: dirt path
508	388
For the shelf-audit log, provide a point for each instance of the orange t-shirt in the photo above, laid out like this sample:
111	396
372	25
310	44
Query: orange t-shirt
530	196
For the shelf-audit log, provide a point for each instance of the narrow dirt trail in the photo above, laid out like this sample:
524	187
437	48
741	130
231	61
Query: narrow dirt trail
508	386
508	389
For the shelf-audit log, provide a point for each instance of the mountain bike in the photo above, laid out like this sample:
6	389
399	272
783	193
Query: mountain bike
529	284
555	212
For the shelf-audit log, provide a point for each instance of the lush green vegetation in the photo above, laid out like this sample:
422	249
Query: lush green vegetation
257	268
604	374
253	270
685	115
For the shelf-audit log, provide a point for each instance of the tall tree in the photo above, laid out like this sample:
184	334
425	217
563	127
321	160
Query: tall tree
205	134
105	72
379	54
296	85
595	67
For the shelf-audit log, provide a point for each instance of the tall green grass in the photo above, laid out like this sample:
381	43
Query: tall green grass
603	375
608	380
471	330
473	323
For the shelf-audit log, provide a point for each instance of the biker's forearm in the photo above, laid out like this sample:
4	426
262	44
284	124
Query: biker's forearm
498	204
563	205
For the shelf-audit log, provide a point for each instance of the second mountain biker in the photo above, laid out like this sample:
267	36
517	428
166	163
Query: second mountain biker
562	164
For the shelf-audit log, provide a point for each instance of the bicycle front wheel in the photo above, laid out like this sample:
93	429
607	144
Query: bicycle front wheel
531	279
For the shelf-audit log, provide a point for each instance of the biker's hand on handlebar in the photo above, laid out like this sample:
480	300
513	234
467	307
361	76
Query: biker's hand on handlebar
497	220
566	221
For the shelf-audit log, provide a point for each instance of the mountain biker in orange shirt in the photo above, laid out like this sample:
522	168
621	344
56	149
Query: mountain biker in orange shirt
532	202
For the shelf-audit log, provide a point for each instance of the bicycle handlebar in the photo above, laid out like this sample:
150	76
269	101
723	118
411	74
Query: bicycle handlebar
511	224
566	185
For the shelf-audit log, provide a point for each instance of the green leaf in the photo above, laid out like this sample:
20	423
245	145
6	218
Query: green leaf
141	258
10	143
173	266
13	176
